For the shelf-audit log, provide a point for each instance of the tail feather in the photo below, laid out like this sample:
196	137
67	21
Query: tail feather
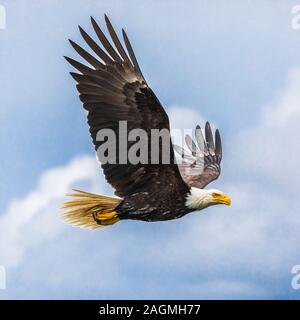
82	209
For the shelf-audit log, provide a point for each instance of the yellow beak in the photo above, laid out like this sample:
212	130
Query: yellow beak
222	199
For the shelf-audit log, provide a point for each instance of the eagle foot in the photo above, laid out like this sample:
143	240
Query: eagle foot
106	219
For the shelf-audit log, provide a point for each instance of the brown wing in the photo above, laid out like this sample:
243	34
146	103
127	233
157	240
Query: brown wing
113	89
201	165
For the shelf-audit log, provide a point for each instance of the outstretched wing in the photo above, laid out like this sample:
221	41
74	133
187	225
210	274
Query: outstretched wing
113	89
201	164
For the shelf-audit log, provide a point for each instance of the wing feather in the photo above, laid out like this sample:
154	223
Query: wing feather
132	55
116	40
218	143
85	55
191	145
106	44
113	90
94	46
209	138
200	140
209	150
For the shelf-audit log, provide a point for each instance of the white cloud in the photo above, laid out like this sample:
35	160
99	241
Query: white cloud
184	117
183	121
286	108
35	218
271	148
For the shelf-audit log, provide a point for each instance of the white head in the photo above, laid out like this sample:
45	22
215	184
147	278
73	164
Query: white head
199	199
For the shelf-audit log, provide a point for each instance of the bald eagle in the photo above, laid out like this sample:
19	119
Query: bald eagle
113	89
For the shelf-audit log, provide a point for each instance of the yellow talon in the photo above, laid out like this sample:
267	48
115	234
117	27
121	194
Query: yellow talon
109	222
105	216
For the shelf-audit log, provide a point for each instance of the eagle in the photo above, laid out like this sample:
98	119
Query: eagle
112	89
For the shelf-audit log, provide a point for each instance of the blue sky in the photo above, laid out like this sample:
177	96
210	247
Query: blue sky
234	64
